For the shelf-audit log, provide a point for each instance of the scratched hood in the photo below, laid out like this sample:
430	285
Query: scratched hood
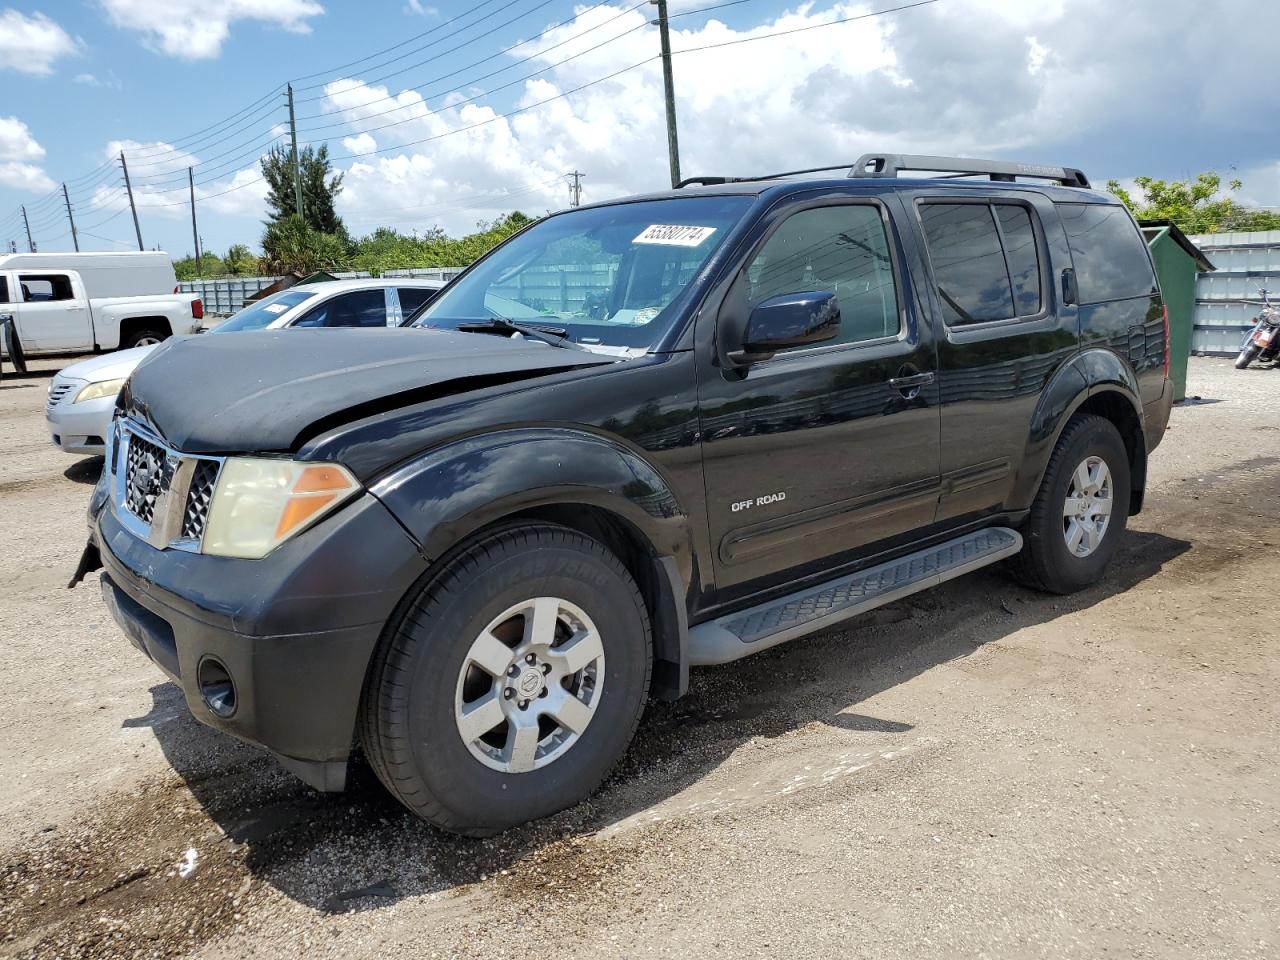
267	390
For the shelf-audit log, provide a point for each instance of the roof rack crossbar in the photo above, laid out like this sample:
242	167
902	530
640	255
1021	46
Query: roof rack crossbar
891	164
713	181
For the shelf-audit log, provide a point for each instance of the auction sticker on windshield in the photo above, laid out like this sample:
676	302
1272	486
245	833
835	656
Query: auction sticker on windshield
673	235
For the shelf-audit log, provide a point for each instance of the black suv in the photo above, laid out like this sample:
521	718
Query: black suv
639	436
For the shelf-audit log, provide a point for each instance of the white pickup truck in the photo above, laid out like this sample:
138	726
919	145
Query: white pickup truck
78	302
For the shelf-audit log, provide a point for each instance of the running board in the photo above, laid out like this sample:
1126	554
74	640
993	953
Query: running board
757	628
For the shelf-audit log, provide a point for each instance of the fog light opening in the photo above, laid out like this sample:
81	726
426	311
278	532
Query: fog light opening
216	688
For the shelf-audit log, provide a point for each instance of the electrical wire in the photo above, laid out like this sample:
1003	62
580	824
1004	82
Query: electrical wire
494	73
812	26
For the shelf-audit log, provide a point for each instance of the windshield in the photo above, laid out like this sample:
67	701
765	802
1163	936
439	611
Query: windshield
605	275
267	310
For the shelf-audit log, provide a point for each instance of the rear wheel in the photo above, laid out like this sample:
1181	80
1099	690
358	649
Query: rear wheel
513	682
142	338
1080	510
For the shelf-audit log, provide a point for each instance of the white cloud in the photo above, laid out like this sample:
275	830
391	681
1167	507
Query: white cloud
158	172
195	30
18	148
31	44
420	9
110	82
360	143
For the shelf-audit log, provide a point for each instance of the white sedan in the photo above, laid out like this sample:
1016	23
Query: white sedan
82	397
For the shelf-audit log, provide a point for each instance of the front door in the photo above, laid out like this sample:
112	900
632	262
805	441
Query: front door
53	313
820	453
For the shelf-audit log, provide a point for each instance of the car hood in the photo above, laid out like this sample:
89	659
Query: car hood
108	366
271	391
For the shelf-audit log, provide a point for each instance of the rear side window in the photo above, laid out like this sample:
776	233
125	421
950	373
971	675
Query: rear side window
1108	252
361	308
411	298
4	289
42	288
985	260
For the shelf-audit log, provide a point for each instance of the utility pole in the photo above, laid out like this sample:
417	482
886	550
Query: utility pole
31	244
673	143
195	237
74	239
297	166
132	206
575	188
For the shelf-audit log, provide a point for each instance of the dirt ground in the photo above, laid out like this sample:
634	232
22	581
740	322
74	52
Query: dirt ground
977	771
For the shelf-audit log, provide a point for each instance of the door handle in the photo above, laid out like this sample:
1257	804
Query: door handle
911	382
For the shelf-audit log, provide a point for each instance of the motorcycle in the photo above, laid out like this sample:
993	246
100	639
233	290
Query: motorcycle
1263	341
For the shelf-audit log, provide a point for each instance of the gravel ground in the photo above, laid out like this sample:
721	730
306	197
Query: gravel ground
977	771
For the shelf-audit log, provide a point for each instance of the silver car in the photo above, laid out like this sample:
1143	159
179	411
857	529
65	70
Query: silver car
82	397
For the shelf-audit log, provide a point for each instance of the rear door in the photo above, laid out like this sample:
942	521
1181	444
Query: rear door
821	453
1003	334
53	313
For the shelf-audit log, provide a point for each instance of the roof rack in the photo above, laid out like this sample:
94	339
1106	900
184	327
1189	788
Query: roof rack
891	164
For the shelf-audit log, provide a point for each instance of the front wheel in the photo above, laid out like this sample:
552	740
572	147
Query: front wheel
143	338
1080	510
513	682
1247	356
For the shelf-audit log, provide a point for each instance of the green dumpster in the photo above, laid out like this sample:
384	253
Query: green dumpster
1177	261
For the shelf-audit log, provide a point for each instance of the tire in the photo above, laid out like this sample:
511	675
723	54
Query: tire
1048	562
1247	356
413	709
140	338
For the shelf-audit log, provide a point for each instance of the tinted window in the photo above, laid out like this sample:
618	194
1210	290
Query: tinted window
360	308
411	298
4	290
841	249
968	264
256	316
1020	254
38	289
1108	252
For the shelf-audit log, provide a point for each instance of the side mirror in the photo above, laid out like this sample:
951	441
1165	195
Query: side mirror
788	320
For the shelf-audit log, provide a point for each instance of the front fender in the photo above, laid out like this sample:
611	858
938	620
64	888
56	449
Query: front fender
1087	374
447	494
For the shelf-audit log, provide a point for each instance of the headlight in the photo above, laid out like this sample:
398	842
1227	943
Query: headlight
96	391
258	503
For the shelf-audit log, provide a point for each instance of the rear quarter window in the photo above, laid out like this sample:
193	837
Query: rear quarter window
1108	252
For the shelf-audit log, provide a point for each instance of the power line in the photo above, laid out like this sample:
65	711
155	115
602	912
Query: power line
812	26
494	73
492	13
453	105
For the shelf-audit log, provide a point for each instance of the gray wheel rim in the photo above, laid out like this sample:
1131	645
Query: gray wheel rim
1086	513
147	341
530	685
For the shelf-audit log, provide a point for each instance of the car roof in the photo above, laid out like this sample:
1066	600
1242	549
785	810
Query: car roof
367	283
778	188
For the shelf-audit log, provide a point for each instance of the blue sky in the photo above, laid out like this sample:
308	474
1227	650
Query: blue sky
1118	90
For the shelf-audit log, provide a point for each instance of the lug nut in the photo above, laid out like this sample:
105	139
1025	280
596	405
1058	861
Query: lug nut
531	659
523	704
508	693
543	692
512	670
546	668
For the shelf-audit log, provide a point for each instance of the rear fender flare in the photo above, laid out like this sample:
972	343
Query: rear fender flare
1087	374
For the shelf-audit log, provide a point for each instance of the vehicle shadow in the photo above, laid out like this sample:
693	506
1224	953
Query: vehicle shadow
87	470
370	851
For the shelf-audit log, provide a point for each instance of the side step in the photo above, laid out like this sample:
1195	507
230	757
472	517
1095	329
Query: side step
740	634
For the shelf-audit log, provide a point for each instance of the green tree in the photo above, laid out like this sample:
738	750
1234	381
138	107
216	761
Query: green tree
1196	206
320	187
239	261
290	245
210	266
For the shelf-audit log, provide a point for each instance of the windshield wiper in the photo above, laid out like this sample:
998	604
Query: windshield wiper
556	336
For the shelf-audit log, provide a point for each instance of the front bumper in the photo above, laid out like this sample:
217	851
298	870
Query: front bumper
294	631
80	427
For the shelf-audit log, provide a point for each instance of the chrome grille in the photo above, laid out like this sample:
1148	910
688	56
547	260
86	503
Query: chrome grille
57	393
160	495
147	474
196	513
